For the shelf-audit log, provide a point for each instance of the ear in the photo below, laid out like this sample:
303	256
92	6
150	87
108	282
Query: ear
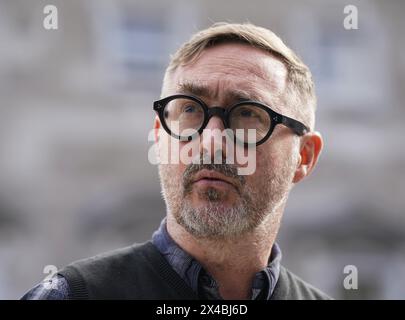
156	128
310	148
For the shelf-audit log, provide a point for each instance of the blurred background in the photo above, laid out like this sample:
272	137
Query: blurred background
76	110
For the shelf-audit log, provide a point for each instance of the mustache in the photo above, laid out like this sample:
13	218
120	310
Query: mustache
228	170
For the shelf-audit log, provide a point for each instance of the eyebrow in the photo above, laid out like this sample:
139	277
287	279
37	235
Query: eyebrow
200	90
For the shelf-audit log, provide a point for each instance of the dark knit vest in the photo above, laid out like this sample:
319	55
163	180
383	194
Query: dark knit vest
141	272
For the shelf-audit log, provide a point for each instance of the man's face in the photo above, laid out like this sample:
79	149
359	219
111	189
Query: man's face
213	201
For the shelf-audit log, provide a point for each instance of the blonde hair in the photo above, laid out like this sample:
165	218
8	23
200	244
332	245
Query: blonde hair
300	89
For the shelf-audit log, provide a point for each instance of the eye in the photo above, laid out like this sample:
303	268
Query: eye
189	109
247	113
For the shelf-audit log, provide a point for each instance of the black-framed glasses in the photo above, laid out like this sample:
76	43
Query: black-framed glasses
185	116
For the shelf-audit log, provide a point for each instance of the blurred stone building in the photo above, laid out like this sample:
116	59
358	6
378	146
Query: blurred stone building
76	110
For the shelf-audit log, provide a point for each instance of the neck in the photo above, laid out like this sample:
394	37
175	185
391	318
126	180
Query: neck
229	259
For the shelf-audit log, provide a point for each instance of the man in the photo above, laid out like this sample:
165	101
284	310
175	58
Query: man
218	238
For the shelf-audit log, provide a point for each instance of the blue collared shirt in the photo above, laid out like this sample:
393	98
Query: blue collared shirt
192	272
188	268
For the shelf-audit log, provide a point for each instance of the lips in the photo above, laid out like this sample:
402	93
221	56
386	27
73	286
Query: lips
209	177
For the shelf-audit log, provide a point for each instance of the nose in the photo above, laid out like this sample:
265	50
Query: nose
213	141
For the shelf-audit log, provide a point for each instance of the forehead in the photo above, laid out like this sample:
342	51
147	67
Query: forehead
233	69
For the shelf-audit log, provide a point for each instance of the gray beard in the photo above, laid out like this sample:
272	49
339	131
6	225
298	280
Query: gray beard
216	221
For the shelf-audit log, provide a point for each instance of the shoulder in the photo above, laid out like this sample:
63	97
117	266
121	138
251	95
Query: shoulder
103	275
113	259
291	287
55	288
